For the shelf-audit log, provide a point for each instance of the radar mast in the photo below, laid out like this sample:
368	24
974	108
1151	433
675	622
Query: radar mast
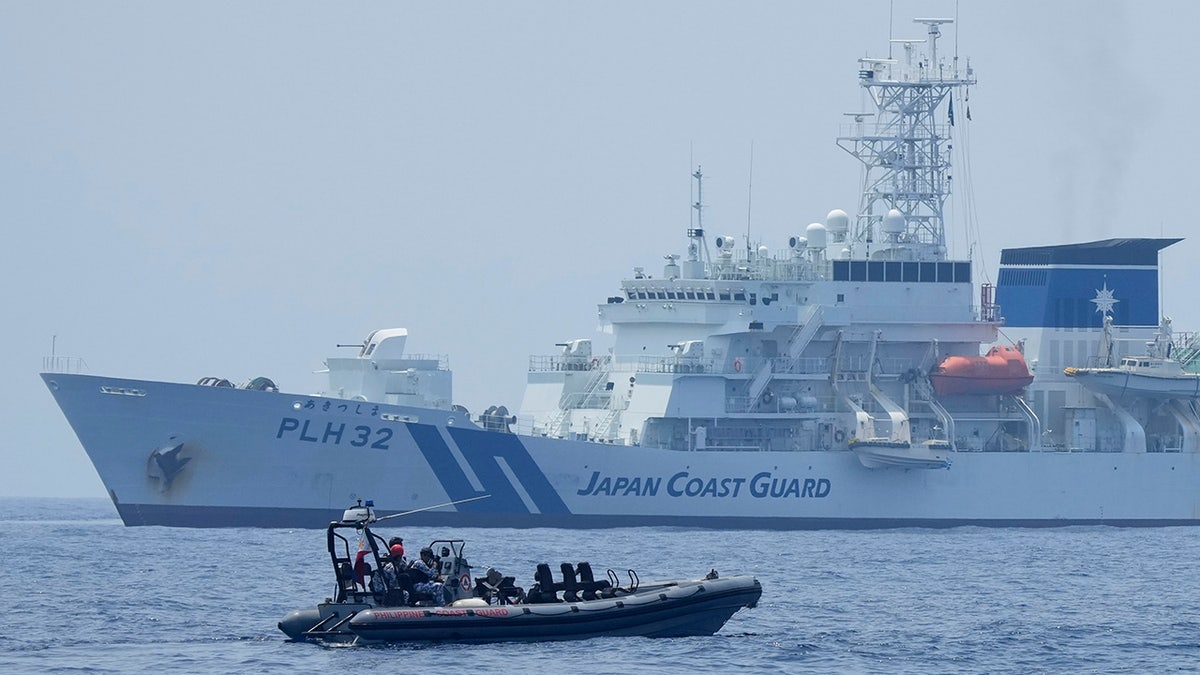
905	152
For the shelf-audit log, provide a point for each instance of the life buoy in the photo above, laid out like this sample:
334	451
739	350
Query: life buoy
737	365
464	581
595	363
839	436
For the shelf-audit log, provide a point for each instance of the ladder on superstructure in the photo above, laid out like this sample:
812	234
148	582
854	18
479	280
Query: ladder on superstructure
797	343
577	400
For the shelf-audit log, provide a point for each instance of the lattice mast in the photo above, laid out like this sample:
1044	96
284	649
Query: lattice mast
905	151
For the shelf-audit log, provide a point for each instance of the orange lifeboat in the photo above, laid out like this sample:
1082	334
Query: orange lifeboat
1001	371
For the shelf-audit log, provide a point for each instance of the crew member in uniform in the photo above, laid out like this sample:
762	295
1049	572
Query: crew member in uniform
428	581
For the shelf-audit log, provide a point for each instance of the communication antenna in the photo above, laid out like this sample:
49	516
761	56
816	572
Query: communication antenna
891	22
749	198
956	25
691	192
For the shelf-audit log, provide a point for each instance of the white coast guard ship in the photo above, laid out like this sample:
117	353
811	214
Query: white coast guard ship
840	382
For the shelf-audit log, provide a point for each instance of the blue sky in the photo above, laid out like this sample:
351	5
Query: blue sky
192	189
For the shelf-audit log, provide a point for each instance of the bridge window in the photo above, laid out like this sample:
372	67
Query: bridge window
891	271
858	270
875	270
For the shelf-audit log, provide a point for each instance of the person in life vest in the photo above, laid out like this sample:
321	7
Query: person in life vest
396	551
427	581
393	571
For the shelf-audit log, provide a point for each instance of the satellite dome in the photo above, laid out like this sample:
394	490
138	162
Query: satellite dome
816	234
837	221
893	222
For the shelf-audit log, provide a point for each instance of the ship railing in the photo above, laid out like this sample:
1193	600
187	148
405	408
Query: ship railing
524	426
664	364
729	448
853	367
780	266
808	365
559	362
1187	349
63	364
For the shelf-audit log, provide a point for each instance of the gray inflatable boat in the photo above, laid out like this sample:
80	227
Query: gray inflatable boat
379	599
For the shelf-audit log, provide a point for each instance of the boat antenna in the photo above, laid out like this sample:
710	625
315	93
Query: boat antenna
891	22
956	25
435	506
692	200
749	198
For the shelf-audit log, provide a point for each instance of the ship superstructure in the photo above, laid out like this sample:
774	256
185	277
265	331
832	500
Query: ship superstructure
823	345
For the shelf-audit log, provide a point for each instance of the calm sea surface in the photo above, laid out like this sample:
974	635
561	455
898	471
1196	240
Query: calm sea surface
86	594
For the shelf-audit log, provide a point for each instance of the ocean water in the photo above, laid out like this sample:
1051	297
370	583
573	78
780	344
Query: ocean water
85	594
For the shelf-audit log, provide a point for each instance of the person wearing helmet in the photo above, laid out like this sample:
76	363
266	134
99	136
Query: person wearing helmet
393	567
427	581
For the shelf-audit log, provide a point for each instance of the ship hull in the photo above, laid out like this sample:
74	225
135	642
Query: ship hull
187	455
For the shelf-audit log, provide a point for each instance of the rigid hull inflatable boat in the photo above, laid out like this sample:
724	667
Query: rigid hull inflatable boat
371	606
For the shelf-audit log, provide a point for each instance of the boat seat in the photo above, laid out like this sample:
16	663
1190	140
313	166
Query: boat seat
590	587
544	588
399	595
510	592
488	586
503	589
569	586
346	583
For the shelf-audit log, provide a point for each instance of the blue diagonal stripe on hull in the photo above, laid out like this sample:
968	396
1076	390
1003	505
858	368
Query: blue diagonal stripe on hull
450	474
482	447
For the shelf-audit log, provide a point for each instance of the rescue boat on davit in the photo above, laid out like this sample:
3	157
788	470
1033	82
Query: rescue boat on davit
1001	371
